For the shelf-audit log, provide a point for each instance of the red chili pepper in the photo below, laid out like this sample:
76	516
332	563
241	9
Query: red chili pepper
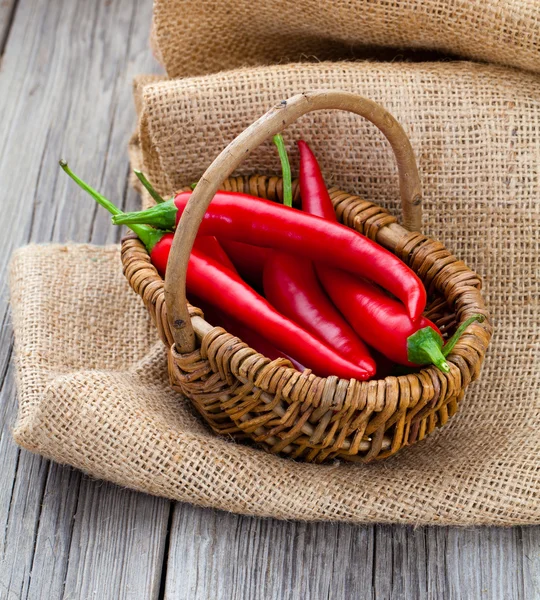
158	242
209	245
253	268
378	319
291	286
315	197
159	253
220	286
212	248
264	223
206	279
248	260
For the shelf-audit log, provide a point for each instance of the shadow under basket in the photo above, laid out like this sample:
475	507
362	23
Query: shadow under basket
246	396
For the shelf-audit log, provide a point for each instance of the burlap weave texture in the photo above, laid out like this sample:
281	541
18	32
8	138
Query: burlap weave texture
194	38
99	399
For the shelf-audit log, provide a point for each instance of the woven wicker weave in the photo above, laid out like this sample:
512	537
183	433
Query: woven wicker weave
245	395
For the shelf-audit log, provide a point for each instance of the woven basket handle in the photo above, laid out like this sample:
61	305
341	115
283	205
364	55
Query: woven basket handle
274	121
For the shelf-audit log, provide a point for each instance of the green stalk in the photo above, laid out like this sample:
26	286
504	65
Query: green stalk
148	235
449	346
426	347
149	188
162	216
285	168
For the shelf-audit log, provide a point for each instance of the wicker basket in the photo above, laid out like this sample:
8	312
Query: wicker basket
245	395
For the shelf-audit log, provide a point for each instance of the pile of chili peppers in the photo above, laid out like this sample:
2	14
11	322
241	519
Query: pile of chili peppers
296	283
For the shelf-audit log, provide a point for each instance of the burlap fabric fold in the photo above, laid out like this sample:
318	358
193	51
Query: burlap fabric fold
92	380
194	38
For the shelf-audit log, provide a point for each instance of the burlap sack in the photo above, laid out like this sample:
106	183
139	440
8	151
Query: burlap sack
193	38
92	382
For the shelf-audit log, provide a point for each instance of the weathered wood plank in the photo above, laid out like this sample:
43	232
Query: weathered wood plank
222	556
530	537
65	89
21	490
118	538
486	562
53	534
400	569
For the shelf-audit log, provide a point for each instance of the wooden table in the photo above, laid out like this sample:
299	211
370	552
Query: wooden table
65	90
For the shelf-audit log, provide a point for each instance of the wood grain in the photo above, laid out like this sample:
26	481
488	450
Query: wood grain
65	90
530	560
222	556
117	544
22	478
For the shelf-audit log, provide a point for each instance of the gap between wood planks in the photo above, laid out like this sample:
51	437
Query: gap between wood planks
7	14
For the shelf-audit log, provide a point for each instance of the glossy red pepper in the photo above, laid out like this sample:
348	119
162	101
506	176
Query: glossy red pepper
159	252
208	280
315	197
292	287
378	319
264	223
277	294
248	260
159	256
219	286
212	248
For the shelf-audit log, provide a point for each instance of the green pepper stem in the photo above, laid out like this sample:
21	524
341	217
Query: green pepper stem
148	235
101	200
424	348
148	186
162	216
449	346
285	168
432	350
